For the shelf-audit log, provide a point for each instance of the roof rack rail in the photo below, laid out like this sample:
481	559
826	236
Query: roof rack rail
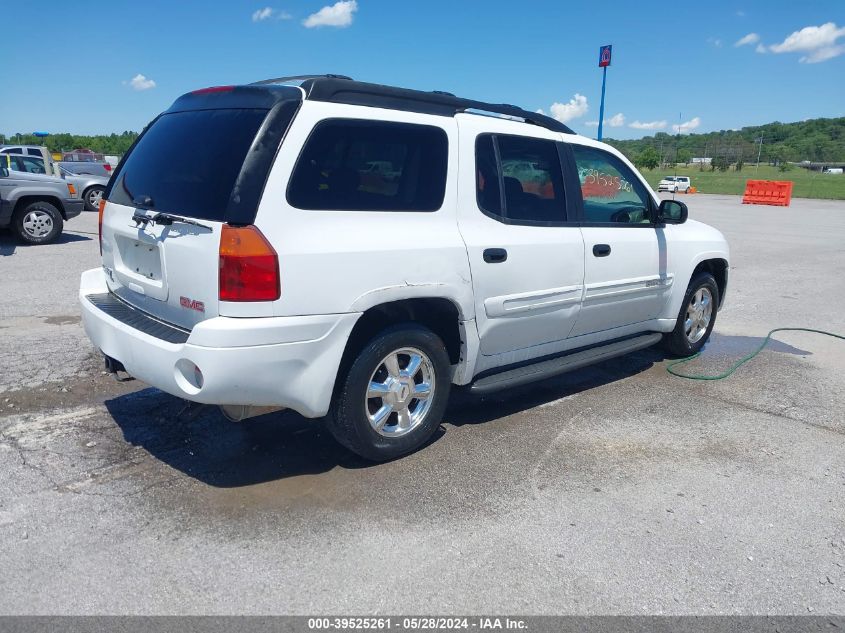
334	89
279	80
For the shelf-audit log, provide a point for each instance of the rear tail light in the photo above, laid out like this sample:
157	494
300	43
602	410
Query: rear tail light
100	223
106	166
249	267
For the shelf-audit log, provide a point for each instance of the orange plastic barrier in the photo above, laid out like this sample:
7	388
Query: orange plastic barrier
692	190
777	193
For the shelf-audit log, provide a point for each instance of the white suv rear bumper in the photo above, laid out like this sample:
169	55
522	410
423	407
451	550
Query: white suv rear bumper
288	362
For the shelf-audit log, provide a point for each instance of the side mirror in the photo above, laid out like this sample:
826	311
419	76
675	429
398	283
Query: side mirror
672	212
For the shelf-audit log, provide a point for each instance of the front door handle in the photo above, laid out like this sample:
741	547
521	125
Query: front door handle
495	255
601	250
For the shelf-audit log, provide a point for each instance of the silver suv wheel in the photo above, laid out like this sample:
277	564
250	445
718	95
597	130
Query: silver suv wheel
400	392
37	223
94	196
699	313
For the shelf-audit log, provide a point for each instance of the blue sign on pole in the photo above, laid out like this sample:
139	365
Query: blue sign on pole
604	62
604	56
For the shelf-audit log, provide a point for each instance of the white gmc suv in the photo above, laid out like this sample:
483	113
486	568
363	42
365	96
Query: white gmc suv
277	268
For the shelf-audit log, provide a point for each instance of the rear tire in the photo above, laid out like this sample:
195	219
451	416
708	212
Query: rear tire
92	197
38	222
375	412
696	318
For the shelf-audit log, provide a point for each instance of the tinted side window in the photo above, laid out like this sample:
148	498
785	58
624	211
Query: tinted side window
519	179
612	193
15	150
34	152
488	177
350	164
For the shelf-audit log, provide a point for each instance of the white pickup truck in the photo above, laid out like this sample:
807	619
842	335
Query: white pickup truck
279	269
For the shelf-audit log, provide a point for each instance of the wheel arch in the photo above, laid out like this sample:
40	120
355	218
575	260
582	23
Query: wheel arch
439	314
93	185
25	200
718	267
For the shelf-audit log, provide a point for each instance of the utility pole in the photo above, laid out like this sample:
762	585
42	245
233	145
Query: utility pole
759	151
604	62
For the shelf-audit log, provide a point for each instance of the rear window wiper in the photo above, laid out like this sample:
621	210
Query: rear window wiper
165	219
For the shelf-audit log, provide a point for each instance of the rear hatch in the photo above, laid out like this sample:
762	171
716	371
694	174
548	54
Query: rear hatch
196	167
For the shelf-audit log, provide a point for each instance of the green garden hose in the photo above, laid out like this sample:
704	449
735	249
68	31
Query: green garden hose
671	366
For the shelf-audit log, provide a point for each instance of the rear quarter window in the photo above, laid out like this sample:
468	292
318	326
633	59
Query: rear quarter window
361	165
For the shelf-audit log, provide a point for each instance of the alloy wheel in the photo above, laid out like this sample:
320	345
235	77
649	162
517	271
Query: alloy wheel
699	313
37	223
400	392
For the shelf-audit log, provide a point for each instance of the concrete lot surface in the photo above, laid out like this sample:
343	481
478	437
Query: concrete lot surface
618	489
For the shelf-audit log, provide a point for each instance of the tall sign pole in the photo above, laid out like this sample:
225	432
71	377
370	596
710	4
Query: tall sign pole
604	62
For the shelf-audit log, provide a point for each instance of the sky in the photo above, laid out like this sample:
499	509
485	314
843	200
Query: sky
96	67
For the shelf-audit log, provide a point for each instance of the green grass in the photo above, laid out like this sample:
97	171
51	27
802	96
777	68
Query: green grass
808	184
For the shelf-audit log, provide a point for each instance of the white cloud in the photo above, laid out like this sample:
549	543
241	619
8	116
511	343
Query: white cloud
823	54
819	42
741	13
576	108
339	14
262	14
686	126
140	82
648	125
715	42
751	38
617	120
761	49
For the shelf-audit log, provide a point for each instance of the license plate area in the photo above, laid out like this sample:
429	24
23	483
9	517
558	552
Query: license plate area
139	266
141	259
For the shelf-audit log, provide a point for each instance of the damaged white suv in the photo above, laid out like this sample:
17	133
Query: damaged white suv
279	268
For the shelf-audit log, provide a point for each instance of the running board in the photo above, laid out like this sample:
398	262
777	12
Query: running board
561	364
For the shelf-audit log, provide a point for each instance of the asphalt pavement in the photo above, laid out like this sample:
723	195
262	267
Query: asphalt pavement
617	489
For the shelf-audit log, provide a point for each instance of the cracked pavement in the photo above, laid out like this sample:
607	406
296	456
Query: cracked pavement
617	489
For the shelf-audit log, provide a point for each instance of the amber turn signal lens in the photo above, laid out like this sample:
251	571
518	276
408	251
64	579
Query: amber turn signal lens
100	222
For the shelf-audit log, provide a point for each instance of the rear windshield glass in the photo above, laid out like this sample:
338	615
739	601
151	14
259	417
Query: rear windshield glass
187	162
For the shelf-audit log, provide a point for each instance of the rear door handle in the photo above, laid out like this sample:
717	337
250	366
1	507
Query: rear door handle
495	255
601	250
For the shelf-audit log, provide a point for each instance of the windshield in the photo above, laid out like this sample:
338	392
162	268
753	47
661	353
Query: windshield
187	162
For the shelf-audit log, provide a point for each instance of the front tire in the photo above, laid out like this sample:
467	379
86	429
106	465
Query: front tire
696	318
38	222
392	398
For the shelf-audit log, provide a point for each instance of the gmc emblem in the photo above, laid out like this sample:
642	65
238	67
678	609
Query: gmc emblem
192	304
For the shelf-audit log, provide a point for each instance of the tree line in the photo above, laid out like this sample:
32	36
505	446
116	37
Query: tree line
111	144
817	140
